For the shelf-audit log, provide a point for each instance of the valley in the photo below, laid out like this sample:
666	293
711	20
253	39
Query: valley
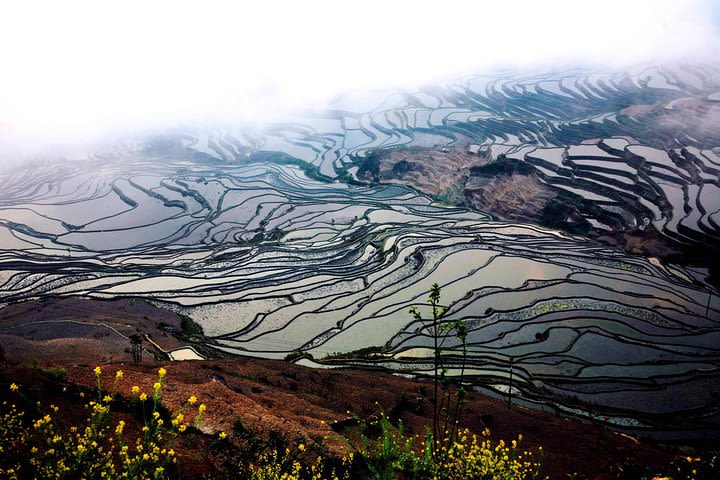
312	238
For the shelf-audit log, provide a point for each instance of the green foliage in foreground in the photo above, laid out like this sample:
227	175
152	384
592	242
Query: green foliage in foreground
36	444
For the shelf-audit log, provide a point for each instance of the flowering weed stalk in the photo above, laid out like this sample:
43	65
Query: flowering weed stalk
42	447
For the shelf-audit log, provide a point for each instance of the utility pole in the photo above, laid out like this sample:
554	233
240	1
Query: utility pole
510	384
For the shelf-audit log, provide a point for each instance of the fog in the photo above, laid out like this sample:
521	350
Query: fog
76	70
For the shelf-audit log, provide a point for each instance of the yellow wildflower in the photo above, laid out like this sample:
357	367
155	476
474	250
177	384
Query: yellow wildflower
13	387
97	370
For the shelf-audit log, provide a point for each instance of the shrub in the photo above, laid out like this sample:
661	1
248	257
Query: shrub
34	444
189	326
468	457
58	374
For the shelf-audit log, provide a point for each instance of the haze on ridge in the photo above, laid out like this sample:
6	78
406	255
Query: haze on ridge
74	71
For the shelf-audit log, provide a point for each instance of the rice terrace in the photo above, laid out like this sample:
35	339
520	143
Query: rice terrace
570	217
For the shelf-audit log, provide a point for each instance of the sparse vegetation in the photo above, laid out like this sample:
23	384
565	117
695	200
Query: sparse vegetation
58	374
393	455
447	402
34	443
370	166
40	441
361	353
452	195
135	347
502	166
189	326
562	215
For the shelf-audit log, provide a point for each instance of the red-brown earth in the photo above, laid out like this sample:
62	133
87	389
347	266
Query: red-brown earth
276	396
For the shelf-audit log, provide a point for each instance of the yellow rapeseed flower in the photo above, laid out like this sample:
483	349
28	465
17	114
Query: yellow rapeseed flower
143	397
135	390
97	370
178	420
223	435
162	372
13	387
118	375
192	399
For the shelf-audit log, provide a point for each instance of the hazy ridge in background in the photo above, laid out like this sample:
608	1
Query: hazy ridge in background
78	71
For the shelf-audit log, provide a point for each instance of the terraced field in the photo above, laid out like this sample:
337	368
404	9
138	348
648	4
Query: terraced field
251	233
642	146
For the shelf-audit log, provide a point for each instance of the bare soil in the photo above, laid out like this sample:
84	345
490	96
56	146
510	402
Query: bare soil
509	197
300	403
86	331
435	171
273	396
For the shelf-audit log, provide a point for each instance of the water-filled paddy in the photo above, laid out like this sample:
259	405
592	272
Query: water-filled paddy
304	273
271	259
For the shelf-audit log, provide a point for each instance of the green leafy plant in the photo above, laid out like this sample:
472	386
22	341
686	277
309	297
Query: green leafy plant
447	403
35	444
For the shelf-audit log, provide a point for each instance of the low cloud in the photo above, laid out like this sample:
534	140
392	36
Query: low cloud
74	70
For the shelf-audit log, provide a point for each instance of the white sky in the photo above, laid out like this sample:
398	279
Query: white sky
77	68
